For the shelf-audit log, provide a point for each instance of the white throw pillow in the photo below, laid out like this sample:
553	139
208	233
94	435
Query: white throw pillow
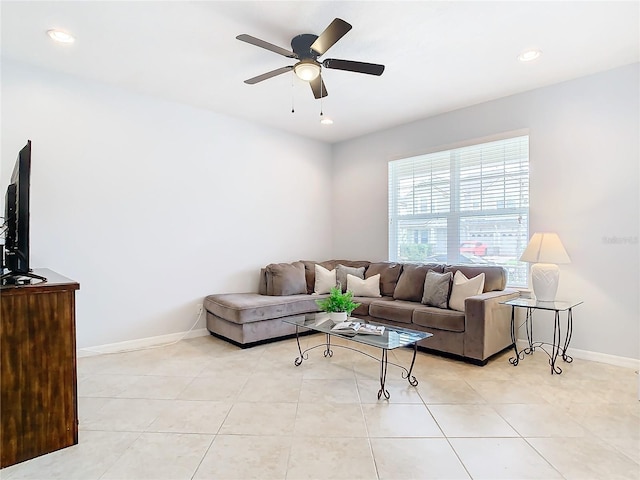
464	288
361	287
325	280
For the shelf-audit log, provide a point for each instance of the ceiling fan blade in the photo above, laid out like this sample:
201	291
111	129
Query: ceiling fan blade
351	66
267	75
318	88
334	32
266	45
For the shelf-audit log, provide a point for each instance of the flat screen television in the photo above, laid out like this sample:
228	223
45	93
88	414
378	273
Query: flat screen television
16	227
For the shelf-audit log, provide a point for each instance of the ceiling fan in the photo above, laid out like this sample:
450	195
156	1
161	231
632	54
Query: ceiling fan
306	49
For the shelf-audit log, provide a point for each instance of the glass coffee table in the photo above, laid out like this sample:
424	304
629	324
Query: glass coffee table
392	338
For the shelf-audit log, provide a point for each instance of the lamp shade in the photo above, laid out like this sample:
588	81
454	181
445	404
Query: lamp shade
545	248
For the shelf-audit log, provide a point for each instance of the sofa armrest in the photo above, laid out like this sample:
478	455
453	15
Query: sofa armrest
487	323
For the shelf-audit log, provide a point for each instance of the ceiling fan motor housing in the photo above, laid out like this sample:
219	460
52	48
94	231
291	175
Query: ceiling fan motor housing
301	46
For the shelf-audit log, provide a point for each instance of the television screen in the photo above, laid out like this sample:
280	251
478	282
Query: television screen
16	245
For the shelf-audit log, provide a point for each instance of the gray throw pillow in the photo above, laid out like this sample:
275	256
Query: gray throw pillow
341	274
436	289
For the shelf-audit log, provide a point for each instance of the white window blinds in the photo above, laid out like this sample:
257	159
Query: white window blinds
467	205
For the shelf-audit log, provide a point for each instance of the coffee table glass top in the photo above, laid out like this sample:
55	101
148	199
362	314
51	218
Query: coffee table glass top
393	337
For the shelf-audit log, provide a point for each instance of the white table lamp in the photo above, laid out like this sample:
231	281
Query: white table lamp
545	251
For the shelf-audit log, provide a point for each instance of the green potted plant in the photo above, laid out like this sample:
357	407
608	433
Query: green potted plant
338	305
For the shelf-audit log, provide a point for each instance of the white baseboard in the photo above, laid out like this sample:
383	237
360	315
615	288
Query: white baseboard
596	357
141	343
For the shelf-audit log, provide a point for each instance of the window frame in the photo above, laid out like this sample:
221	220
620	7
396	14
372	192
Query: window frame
454	215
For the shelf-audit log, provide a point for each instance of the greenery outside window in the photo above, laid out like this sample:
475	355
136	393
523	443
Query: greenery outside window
467	205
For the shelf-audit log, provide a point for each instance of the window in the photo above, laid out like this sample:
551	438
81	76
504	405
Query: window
467	205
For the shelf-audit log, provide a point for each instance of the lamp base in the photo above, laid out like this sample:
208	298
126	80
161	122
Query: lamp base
545	277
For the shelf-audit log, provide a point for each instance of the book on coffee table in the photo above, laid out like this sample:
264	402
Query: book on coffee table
368	329
352	328
348	327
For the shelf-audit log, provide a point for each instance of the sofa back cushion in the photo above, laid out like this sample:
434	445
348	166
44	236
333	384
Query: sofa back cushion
495	277
262	282
351	263
286	278
410	285
389	275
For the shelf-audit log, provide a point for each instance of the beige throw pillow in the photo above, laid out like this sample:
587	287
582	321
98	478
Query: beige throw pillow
464	288
325	280
364	288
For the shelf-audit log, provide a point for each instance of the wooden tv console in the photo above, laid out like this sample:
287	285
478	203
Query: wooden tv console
38	404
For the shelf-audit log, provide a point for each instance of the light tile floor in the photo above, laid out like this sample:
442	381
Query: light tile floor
204	409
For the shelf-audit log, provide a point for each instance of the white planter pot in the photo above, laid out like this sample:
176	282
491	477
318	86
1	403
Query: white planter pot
338	317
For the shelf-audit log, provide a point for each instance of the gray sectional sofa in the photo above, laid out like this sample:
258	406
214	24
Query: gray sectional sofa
475	334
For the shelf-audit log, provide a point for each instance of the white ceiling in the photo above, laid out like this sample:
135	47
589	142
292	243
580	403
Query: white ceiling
439	55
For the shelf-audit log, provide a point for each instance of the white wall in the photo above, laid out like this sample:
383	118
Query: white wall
151	205
584	184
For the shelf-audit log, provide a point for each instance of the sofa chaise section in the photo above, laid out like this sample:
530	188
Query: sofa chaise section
250	318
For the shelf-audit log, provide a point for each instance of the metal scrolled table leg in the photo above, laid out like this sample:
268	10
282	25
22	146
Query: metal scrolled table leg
413	381
298	360
516	359
565	357
328	352
557	335
383	375
529	328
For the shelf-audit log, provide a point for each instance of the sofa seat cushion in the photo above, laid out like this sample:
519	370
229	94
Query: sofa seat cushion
395	310
365	304
253	307
439	318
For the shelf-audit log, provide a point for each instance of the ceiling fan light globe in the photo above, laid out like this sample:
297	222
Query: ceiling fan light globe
307	71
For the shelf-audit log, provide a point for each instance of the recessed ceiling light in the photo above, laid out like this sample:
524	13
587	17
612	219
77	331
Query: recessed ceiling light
61	36
529	55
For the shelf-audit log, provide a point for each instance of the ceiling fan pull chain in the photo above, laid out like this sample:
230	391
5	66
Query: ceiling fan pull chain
292	86
321	85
